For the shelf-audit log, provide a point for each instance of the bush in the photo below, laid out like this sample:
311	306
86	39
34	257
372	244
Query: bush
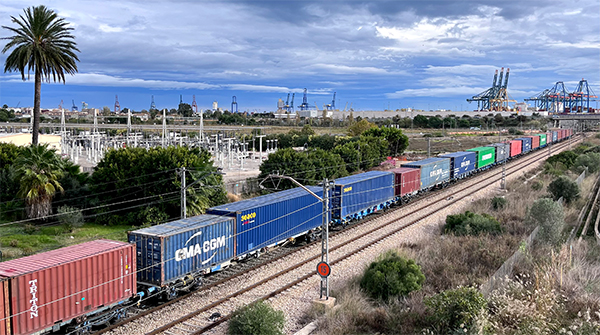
390	276
454	310
70	217
30	229
591	161
498	203
537	185
565	188
566	157
258	318
471	224
548	215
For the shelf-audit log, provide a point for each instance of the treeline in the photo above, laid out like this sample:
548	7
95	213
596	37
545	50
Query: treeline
131	186
328	156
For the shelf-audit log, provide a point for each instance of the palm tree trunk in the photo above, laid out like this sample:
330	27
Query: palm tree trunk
36	106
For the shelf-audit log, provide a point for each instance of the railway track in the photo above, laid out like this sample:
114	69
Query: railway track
344	244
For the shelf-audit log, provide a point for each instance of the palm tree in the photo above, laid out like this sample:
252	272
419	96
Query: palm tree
43	43
38	170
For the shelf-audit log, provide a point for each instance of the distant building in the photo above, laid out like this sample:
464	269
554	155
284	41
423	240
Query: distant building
24	139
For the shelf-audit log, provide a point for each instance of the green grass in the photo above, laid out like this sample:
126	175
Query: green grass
15	242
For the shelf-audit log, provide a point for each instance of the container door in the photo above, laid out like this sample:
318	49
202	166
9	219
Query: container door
4	310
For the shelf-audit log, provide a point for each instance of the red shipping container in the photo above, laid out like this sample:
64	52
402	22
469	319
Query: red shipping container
535	141
406	181
560	134
548	137
515	147
59	285
4	312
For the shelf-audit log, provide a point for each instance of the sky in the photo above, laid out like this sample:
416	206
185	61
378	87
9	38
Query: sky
374	54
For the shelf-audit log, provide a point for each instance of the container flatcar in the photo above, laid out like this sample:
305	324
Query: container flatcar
434	171
407	181
48	290
516	148
554	136
549	137
461	163
502	151
269	219
485	156
543	141
526	146
168	252
356	196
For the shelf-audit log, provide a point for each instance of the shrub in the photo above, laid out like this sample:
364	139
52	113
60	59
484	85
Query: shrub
390	276
454	310
591	161
565	188
30	229
70	217
14	243
471	224
258	318
498	203
548	215
537	185
566	157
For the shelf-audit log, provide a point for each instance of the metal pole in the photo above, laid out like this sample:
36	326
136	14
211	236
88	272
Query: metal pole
428	147
325	239
183	202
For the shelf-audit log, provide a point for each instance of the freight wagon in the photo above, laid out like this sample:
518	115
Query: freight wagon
461	163
407	182
434	171
502	151
53	290
549	137
356	196
526	144
266	220
486	156
183	249
4	311
554	136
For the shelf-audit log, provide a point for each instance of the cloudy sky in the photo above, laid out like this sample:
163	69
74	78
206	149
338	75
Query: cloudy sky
374	54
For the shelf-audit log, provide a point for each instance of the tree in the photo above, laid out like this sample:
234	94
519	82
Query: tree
185	110
43	43
38	171
129	181
565	188
309	167
591	161
258	318
421	121
390	276
549	216
360	127
398	142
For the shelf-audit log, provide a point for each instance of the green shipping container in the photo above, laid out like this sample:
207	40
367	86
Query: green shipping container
542	139
485	156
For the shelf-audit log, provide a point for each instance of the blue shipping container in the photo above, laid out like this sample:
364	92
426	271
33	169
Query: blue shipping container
169	251
526	142
358	195
554	136
433	171
271	218
461	163
502	151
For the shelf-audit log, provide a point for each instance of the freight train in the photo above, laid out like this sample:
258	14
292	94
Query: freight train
91	284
